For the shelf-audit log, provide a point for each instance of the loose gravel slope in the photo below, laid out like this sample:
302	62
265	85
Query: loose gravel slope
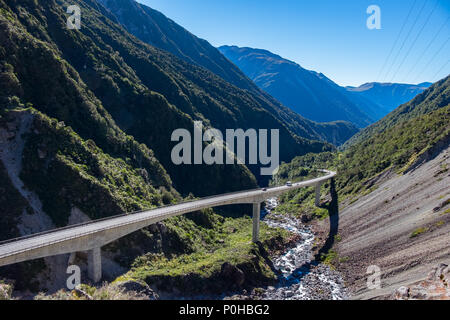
403	227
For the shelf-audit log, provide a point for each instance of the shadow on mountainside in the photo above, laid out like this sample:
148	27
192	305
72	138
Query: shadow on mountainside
333	212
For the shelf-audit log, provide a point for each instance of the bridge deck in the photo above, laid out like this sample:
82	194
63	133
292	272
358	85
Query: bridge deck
110	229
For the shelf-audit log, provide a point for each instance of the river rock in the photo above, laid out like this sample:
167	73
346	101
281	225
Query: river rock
418	292
304	218
439	272
233	273
401	293
5	291
289	293
79	292
139	287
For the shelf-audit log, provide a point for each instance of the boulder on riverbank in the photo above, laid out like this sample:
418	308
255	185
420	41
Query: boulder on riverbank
139	287
6	290
435	287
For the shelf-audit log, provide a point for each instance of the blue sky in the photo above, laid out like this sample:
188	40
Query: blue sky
329	36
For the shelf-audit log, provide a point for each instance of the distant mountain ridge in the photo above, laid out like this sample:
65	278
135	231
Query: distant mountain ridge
315	96
154	28
308	93
435	97
389	96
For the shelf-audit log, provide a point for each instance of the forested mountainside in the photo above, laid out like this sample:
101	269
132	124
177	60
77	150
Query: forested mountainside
154	28
121	71
96	65
306	92
86	118
389	96
396	143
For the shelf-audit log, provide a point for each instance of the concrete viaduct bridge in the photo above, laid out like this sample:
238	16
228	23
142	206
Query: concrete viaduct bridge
93	235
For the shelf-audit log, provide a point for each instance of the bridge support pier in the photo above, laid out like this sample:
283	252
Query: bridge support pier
95	264
72	258
256	218
317	202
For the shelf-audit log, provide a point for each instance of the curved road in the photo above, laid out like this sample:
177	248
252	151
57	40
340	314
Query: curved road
93	235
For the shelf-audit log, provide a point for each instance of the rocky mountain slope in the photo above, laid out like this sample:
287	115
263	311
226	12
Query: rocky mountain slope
85	123
403	227
394	199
